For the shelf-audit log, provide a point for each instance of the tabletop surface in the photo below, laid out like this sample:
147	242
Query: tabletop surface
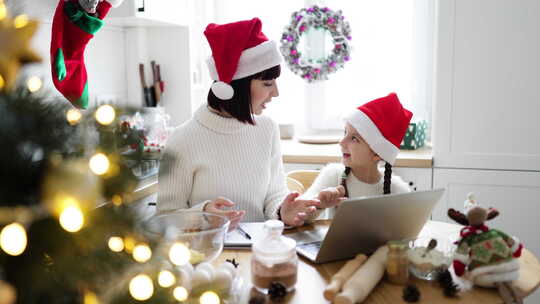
313	278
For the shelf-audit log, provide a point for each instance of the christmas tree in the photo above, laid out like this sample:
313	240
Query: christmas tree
58	164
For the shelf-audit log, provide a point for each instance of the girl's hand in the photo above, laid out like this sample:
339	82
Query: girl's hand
218	205
295	211
331	197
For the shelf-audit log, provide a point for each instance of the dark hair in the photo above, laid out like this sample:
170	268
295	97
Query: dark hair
387	179
239	106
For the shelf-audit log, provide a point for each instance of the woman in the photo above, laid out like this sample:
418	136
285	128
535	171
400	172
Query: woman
225	156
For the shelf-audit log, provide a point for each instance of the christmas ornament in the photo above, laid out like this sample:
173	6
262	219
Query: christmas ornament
74	25
319	19
487	256
15	51
8	295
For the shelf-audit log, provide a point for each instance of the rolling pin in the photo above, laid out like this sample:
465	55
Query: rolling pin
342	276
364	279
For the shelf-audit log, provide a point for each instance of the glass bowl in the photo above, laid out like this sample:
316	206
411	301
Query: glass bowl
426	265
202	233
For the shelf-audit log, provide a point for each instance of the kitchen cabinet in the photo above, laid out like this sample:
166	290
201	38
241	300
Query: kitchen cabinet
486	135
159	32
487	72
515	194
152	13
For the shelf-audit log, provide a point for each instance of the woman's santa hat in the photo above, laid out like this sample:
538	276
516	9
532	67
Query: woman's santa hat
382	123
239	49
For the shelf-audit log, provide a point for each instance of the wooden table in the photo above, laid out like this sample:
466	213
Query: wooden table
313	278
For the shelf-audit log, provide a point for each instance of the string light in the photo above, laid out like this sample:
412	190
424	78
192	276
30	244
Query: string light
142	253
3	13
166	279
99	164
209	297
13	239
72	219
141	287
20	21
180	293
34	84
117	200
129	244
90	298
116	243
179	254
105	115
73	116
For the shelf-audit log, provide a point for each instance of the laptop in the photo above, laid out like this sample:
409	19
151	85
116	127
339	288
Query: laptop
361	225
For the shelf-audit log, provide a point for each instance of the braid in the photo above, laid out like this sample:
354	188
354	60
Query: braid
387	178
344	180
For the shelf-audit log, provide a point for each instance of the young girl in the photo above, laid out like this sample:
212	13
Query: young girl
227	155
373	133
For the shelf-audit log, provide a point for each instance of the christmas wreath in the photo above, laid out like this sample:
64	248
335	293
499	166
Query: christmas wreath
316	18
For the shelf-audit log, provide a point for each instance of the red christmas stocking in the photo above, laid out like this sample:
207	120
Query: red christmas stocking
72	29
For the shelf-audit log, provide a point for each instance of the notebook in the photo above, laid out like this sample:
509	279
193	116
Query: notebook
237	240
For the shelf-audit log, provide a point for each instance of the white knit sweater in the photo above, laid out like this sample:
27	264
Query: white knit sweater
330	176
217	156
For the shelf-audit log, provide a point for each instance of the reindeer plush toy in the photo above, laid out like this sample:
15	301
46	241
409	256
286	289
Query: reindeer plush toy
487	256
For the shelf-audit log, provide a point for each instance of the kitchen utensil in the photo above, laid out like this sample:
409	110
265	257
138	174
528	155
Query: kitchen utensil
161	82
155	85
147	93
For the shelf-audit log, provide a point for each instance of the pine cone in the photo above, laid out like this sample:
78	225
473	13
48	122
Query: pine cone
411	293
445	281
277	291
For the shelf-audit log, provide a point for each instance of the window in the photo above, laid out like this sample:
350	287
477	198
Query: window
392	52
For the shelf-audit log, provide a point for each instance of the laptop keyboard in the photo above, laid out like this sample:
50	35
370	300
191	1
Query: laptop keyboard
309	250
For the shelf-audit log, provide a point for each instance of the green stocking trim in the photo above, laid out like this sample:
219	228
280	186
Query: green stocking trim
82	102
60	65
81	19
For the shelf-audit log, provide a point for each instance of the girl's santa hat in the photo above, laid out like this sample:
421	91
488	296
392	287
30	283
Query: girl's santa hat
382	123
239	49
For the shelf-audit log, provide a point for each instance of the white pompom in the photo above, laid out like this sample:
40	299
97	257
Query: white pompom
115	3
222	90
223	279
200	277
229	267
205	266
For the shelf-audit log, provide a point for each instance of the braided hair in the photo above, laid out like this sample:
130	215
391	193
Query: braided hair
344	180
387	179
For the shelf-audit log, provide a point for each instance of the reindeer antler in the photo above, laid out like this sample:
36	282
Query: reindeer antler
458	217
492	213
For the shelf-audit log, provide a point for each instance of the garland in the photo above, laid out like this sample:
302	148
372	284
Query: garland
316	18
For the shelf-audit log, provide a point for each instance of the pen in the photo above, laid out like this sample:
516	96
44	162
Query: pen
242	232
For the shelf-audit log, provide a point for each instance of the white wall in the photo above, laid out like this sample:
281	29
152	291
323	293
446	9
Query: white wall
104	57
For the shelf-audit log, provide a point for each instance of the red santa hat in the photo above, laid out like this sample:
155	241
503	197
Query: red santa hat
382	123
239	49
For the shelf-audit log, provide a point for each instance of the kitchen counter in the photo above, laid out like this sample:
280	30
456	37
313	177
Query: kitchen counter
297	152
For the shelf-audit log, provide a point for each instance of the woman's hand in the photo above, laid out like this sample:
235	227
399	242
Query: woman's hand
295	211
218	205
331	197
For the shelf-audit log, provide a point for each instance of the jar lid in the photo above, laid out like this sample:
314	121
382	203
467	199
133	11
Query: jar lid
398	245
274	248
